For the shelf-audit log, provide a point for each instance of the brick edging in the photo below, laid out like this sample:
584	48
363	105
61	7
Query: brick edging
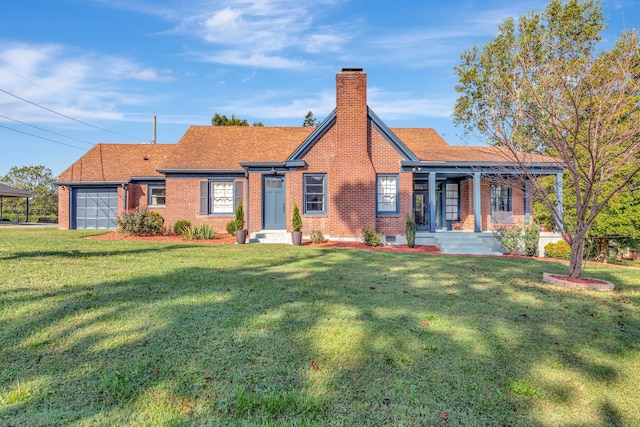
596	284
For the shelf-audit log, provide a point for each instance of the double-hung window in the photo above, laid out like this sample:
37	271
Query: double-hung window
157	195
220	197
315	193
387	194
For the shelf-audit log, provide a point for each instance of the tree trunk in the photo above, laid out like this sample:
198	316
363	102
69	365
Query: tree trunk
577	253
602	249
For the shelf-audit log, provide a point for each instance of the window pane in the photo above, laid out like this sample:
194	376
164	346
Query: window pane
387	193
314	193
222	197
451	202
500	198
158	195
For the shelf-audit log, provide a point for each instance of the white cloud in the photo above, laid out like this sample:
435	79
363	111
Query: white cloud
264	33
270	106
393	106
81	85
254	59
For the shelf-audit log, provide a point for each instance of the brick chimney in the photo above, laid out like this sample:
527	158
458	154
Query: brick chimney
352	177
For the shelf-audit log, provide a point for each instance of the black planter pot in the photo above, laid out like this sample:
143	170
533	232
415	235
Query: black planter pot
296	238
241	237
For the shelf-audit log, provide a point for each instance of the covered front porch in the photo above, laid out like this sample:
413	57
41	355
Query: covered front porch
474	198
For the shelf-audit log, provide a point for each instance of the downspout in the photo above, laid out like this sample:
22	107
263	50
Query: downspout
124	197
246	214
70	207
27	216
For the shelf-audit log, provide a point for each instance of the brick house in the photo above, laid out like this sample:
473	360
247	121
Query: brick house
349	172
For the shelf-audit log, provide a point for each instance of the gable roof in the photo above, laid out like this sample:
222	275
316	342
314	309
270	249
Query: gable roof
118	163
224	147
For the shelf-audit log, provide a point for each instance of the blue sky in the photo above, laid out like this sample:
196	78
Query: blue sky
111	65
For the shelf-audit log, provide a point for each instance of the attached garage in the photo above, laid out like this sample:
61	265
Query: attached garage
94	208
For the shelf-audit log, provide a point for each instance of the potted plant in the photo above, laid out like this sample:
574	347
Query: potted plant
296	225
241	233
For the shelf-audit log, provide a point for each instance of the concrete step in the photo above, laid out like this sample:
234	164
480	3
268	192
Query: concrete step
271	236
463	244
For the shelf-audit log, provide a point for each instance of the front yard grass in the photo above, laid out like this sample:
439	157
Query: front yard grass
121	332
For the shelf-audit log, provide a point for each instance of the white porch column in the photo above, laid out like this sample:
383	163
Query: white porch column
477	206
527	202
432	202
559	199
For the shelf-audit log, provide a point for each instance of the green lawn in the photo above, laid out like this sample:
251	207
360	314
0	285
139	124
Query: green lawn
120	332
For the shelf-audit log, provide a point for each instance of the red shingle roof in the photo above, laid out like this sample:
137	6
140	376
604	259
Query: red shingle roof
420	140
118	163
479	154
224	147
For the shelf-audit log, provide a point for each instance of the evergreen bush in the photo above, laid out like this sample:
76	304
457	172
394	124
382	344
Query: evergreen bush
296	219
531	240
141	222
371	237
180	225
411	231
316	236
559	250
510	238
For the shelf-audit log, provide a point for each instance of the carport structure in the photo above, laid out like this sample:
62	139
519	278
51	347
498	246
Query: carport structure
7	191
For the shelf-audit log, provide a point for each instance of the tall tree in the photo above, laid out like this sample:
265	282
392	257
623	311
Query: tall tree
222	120
545	86
309	120
40	181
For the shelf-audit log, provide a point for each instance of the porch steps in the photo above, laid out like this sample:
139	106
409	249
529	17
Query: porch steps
459	243
271	236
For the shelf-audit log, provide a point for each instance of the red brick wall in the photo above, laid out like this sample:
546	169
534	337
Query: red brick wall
64	214
183	202
255	202
466	206
136	195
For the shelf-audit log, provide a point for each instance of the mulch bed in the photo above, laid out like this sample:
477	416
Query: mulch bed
220	239
225	239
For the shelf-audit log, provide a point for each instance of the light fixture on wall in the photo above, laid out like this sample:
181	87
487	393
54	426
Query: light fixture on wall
273	171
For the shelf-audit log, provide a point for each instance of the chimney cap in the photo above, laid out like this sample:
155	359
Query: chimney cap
352	70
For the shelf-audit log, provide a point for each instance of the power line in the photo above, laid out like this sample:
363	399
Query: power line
42	137
71	118
47	130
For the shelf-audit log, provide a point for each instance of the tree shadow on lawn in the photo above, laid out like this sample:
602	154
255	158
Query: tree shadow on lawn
353	337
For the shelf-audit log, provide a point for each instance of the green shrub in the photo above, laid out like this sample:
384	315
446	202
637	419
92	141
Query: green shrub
180	225
204	232
411	231
231	227
531	240
559	250
141	222
296	219
371	237
510	238
316	236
